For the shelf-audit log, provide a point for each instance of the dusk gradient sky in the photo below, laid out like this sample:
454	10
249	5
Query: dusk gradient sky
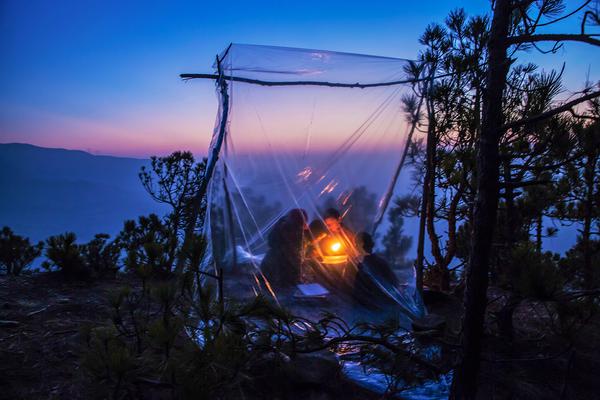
102	76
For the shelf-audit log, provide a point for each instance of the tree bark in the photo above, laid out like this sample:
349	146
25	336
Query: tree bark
421	241
428	201
419	264
538	233
589	170
464	385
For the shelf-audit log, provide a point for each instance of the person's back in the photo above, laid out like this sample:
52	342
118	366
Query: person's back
281	265
375	276
380	269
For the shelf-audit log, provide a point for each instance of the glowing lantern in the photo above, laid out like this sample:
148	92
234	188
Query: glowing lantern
334	252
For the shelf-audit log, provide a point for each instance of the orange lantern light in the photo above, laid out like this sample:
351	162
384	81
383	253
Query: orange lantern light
334	252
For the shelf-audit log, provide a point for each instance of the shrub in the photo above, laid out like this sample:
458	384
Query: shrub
101	255
66	256
146	243
187	344
572	264
530	273
16	253
97	258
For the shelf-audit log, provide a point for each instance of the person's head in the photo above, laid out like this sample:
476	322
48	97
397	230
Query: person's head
317	229
332	220
297	217
364	242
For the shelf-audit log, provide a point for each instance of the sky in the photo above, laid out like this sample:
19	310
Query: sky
102	76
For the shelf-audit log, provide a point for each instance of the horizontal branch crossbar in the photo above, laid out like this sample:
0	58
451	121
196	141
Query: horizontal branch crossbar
300	83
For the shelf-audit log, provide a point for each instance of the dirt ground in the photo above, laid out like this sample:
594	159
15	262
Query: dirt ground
39	335
536	364
40	318
40	341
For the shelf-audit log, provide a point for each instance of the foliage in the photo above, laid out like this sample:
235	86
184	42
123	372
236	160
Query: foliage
531	274
101	255
97	258
16	252
395	243
146	244
445	167
571	315
64	254
174	337
175	180
572	265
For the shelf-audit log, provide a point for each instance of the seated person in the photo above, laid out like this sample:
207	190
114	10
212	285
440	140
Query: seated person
331	254
281	265
336	228
316	232
373	277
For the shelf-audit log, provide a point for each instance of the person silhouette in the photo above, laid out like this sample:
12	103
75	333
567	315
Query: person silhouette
282	264
374	278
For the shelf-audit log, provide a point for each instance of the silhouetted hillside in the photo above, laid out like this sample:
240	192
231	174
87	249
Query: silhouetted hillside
50	191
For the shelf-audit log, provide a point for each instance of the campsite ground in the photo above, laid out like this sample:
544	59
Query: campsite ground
41	352
40	349
40	340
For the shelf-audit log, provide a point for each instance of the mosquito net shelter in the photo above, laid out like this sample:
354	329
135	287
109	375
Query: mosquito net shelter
304	159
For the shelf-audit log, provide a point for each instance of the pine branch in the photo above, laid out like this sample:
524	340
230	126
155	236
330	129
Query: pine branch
550	113
554	37
515	185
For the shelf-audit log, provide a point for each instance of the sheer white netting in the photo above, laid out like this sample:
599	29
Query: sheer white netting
294	154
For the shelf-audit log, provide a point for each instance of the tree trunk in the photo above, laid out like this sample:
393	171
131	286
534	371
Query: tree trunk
538	233
421	242
430	179
427	187
504	317
511	217
464	385
590	168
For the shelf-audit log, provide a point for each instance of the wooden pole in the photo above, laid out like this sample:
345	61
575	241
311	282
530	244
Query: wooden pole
229	210
212	162
305	83
390	191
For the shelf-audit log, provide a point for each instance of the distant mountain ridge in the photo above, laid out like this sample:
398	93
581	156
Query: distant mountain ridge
50	191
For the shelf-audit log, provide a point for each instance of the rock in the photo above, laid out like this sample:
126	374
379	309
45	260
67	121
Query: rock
430	322
317	395
434	296
314	368
8	324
